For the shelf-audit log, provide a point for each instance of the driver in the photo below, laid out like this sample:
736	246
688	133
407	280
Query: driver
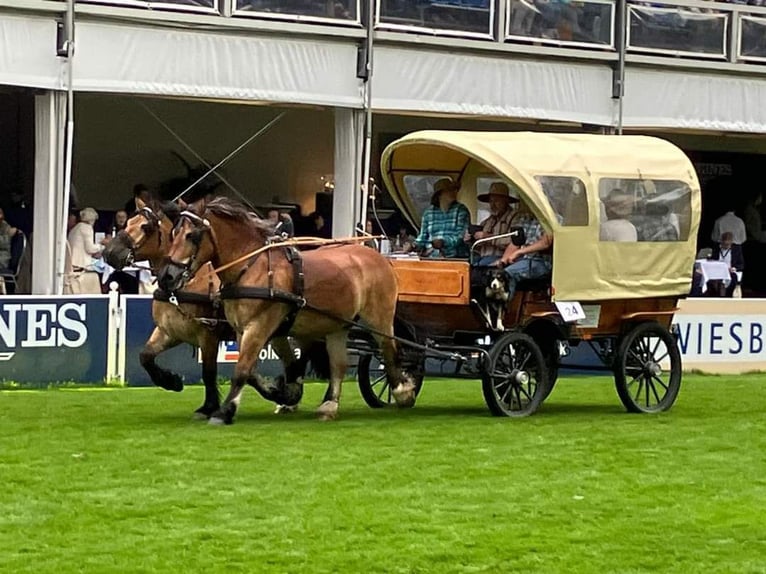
531	260
498	223
444	223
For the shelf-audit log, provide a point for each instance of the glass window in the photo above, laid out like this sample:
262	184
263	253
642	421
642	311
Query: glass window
644	210
567	197
420	187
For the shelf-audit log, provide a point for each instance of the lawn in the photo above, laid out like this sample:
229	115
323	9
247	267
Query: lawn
122	480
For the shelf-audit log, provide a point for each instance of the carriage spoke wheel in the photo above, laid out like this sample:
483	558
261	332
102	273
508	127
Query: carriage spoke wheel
373	385
647	371
515	382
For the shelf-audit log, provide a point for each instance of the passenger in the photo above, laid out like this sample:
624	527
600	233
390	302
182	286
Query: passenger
498	223
444	223
618	206
532	260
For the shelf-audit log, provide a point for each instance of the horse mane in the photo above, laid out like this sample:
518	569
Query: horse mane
236	211
171	210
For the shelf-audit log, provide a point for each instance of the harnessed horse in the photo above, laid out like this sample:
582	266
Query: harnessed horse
193	319
272	290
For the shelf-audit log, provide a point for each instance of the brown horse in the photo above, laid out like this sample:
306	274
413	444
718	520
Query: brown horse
194	320
312	296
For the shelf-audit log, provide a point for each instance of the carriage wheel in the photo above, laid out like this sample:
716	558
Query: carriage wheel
373	385
647	371
515	382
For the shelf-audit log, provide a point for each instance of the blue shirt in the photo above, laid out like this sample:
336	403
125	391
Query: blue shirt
449	226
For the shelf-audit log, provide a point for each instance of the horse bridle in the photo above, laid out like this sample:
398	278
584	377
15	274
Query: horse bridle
200	224
154	220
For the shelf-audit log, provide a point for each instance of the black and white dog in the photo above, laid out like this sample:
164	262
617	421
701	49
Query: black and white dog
494	300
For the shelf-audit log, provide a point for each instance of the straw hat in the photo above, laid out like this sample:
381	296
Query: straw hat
499	189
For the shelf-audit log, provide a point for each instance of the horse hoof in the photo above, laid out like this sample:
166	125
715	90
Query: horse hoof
328	411
404	395
215	421
199	416
285	409
171	382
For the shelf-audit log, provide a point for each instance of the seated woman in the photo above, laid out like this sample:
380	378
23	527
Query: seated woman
444	223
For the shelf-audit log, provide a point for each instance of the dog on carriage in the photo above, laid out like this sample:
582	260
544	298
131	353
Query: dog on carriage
491	288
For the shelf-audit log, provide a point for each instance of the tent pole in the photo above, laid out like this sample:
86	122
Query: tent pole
69	143
368	116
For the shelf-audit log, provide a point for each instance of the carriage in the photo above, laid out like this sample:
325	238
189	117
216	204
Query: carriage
614	295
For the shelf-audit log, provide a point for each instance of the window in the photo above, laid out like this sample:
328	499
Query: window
567	198
420	188
659	210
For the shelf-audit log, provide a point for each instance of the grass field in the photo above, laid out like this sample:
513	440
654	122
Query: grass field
122	480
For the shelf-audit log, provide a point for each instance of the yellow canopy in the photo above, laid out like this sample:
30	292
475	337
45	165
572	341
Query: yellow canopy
566	179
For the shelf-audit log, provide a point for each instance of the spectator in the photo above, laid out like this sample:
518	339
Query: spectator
319	226
498	223
139	190
729	222
403	241
7	231
752	219
85	251
444	223
119	222
731	254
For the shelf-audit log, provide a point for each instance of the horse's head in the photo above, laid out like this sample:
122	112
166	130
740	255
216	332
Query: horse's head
146	236
218	231
192	247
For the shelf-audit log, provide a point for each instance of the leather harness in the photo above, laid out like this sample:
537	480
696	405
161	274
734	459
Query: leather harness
294	298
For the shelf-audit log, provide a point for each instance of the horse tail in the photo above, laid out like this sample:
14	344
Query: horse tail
316	354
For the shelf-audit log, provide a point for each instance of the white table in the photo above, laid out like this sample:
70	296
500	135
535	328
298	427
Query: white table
712	271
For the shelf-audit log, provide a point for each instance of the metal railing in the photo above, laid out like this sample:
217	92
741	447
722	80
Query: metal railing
465	18
589	23
692	29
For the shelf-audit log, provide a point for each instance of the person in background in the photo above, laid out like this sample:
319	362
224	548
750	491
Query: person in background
84	252
72	220
403	241
119	222
729	223
319	227
444	223
7	231
139	190
498	223
731	253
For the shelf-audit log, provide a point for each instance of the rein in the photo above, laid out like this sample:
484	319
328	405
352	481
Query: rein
297	241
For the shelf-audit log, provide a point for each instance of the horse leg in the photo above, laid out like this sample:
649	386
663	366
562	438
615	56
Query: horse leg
401	384
291	384
250	345
209	349
336	349
158	342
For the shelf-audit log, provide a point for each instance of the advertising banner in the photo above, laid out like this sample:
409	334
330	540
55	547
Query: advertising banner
184	359
54	339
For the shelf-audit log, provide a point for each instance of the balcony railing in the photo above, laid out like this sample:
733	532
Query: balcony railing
589	23
752	39
678	31
338	11
468	18
210	6
692	29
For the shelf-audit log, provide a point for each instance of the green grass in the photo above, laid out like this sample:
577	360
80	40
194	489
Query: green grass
122	480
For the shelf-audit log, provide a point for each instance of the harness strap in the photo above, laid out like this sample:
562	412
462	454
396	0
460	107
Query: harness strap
182	297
